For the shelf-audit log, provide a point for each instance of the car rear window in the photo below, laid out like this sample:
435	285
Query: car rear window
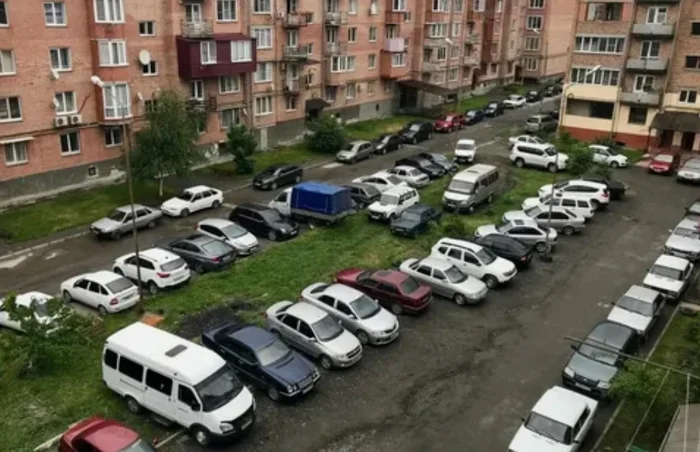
410	285
119	285
172	265
216	248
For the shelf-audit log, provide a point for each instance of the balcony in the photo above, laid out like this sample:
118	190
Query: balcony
291	87
189	56
653	30
433	65
206	105
296	53
336	48
434	42
387	70
647	99
395	45
646	65
470	60
295	20
336	19
201	29
397	17
472	39
437	16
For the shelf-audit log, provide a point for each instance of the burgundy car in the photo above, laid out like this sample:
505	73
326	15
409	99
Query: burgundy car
449	122
102	435
665	162
391	288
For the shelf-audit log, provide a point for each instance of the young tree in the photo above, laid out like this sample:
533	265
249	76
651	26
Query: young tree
327	135
167	145
580	160
241	143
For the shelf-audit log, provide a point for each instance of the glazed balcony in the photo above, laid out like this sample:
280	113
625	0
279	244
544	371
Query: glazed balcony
295	20
653	30
646	65
387	70
434	42
208	104
656	2
296	53
470	60
336	19
189	56
200	29
471	39
647	98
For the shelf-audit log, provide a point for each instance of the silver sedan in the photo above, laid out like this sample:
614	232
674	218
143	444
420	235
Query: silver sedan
561	219
446	280
121	221
690	171
526	230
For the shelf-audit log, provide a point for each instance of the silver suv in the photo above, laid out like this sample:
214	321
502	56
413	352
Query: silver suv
685	240
525	230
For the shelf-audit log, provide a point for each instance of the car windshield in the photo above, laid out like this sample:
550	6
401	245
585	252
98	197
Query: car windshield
272	216
465	146
217	248
410	285
414	127
550	428
41	308
327	329
471	113
612	151
664	158
454	275
139	446
667	272
533	120
119	285
233	231
486	256
117	216
348	147
597	353
439	157
493	105
534	211
386	139
272	353
393	179
172	265
218	389
514	97
545	199
365	307
185	196
461	186
503	227
388	199
635	305
687	232
410	216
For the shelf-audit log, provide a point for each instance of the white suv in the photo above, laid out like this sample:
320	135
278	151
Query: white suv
392	203
581	207
541	155
475	260
596	192
159	268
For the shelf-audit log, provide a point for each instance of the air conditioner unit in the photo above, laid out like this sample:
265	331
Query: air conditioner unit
61	121
76	119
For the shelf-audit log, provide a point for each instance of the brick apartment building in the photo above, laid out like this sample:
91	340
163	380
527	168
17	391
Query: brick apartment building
270	64
646	92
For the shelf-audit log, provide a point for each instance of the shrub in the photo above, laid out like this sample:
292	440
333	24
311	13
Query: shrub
241	144
580	160
454	227
327	135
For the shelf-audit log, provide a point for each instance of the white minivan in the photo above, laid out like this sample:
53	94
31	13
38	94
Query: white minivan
179	381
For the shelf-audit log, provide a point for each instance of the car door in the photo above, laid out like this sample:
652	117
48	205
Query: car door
188	406
257	223
97	295
79	291
539	157
142	217
443	287
289	328
307	339
346	316
281	203
366	150
127	223
472	265
523	234
129	266
387	294
190	253
580	430
425	274
243	360
600	156
199	202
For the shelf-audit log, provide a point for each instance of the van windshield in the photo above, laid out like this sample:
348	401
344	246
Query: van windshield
218	389
461	186
389	200
465	146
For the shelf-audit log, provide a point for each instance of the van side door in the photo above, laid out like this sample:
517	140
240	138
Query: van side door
158	394
188	406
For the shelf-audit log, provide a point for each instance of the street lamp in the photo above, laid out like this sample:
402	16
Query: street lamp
97	81
546	57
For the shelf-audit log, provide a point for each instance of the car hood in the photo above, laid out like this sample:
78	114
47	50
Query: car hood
502	265
514	215
590	368
529	203
291	370
457	197
105	224
343	344
485	230
471	286
405	224
247	240
284	225
382	321
175	203
528	441
264	176
662	283
656	164
632	319
689	172
346	153
381	208
683	243
234	408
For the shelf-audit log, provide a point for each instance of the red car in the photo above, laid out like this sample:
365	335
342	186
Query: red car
665	162
391	288
449	123
102	435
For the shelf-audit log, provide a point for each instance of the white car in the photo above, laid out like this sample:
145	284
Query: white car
392	203
412	176
539	155
597	193
581	207
105	291
475	260
229	232
558	422
684	240
669	275
515	101
193	199
527	139
639	308
607	156
382	181
32	300
160	269
465	150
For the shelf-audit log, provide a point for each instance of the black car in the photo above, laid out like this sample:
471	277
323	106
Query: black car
508	248
414	220
554	114
533	96
363	194
616	188
597	360
440	160
472	117
427	167
263	221
388	143
261	358
201	252
278	175
494	109
416	131
553	90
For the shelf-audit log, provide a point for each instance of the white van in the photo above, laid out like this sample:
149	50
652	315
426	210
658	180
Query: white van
465	150
471	187
179	381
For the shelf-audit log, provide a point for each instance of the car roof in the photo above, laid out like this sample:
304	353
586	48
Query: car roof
434	262
358	142
390	276
159	254
672	262
342	292
406	168
598	146
127	208
200	239
254	206
306	312
198	189
460	244
585	183
102	276
523	222
104	435
399	190
642	293
253	336
561	405
614	335
26	299
689	223
216	222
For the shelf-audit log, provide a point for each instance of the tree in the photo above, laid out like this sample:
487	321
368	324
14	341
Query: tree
580	159
241	143
327	135
167	145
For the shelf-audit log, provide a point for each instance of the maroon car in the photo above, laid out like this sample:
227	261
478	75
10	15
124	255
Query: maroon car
449	123
102	435
665	162
391	288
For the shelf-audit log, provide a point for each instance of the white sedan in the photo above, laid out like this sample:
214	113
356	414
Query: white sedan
527	139
36	301
412	176
607	156
195	198
515	101
382	181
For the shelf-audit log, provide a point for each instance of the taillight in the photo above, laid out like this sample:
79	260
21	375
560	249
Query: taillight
216	260
605	194
163	275
113	302
524	258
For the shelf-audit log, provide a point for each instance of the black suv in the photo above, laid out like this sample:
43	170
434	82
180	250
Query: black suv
277	175
263	221
427	167
386	143
494	109
416	131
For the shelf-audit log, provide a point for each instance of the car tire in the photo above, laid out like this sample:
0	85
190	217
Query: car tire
273	394
151	224
102	310
460	299
362	336
272	235
152	288
132	405
116	235
184	212
397	308
490	281
216	204
199	268
67	298
297	179
568	230
540	247
325	362
614	165
595	204
519	163
552	168
201	436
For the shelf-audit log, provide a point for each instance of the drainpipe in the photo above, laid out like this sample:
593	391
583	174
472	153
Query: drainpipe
248	102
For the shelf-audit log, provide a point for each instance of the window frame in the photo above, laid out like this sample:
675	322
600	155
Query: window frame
12	59
265	32
269	100
233	13
225	82
110	13
247	51
529	25
207	48
135	365
150	69
6	12
53	13
114	47
110	132
583	39
13	147
146	24
69	142
267	72
65	95
688	93
7	100
110	95
61	54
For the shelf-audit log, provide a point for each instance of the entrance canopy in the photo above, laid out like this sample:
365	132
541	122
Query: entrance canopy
677	121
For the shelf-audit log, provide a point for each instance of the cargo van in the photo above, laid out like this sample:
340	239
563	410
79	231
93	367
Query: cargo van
471	187
178	381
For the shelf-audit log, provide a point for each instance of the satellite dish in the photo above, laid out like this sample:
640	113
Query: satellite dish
144	57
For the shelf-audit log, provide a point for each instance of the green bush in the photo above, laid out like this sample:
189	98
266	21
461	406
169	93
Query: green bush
241	144
580	160
454	227
327	135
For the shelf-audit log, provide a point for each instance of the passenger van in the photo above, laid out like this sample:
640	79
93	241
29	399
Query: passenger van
471	187
179	381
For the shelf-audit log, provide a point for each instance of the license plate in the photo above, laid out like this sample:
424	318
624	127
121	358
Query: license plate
583	387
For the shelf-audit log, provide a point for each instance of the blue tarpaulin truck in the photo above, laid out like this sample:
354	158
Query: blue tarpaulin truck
314	201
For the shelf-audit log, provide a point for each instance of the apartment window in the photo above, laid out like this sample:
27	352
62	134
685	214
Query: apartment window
599	44
226	10
112	53
197	90
352	7
530	64
536	4
261	6
453	75
499	6
350	91
10	109
692	62
637	115
454	52
342	64
7	62
54	14
604	11
229	84
532	43
60	59
241	51
109	11
207	52
688	96
371	61
604	77
263	73
230	117
150	105
113	137
601	110
456	29
147	28
263	106
479	6
438	30
117	100
650	50
371	87
16	153
440	5
65	103
263	37
441	53
352	34
398	60
149	69
398	5
695	28
458	6
330	94
193	13
290	103
643	83
3	14
70	143
657	15
534	22
372	34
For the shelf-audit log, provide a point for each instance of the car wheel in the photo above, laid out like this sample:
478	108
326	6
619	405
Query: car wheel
151	224
326	362
199	268
67	297
397	308
490	281
297	179
216	204
132	405
102	310
363	337
489	199
152	288
116	235
272	235
519	163
552	168
184	212
595	204
460	299
273	394
614	165
568	230
540	247
202	436
273	186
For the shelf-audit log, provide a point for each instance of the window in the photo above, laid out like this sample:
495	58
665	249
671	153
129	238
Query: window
241	51
456	29
536	4
54	14
479	5
10	109
454	52
291	103
530	64
150	104
159	382
532	43
263	37
343	64
398	60
657	15
352	7
110	359
229	84
350	91
650	50
602	110
371	87
330	93
604	11
687	96
147	28
60	59
643	83
372	34
197	89
117	100
534	22
193	13
599	44
230	117
3	14
112	53
638	115
226	10
605	77
261	6
187	397
65	103
7	62
438	30
150	68
458	6
109	11
692	62
263	106
398	5
441	53
352	34
371	61
453	74
263	73
499	6
440	5
16	153
207	52
695	28
113	136
130	368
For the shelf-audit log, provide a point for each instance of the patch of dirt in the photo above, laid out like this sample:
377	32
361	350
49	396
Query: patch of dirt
192	325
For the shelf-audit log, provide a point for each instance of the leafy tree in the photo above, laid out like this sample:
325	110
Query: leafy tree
602	170
167	145
241	144
580	159
327	135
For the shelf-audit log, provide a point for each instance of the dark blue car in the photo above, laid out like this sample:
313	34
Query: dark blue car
262	358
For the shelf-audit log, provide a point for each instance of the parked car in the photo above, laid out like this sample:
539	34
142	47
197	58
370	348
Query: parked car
540	155
472	117
559	421
440	160
553	90
387	143
606	155
475	260
690	171
230	233
159	269
554	113
597	193
639	308
471	187
432	170
264	221
261	358
616	188
508	248
202	253
449	123
414	220
191	200
358	313
465	150
355	151
526	139
669	275
665	162
693	211
105	291
314	202
533	96
412	176
540	123
558	218
36	301
392	203
391	288
315	333
381	180
96	434
275	176
446	280
581	207
363	194
527	231
597	360
416	132
494	108
684	240
514	101
120	221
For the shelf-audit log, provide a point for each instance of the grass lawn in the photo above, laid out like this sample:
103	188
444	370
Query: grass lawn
71	209
475	102
633	155
37	409
369	130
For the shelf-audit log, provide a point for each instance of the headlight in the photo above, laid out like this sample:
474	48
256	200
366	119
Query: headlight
283	230
604	385
225	427
291	388
316	374
569	372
